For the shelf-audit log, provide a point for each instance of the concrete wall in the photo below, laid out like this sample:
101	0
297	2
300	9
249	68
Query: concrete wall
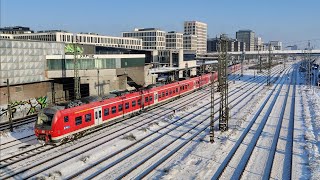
27	99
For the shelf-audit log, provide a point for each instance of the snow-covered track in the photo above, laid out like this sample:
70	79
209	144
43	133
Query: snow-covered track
146	144
242	163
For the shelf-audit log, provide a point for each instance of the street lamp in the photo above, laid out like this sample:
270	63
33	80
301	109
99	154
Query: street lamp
9	105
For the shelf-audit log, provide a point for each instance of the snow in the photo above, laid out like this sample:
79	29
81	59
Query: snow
198	159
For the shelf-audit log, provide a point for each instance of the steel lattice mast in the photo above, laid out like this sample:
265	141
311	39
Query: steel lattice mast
269	66
212	107
77	94
223	83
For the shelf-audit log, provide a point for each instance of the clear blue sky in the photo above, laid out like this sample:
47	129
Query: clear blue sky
285	20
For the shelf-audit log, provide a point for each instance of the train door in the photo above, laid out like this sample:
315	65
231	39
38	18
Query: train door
155	97
97	115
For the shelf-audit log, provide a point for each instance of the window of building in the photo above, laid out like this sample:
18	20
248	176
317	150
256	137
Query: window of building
88	117
78	120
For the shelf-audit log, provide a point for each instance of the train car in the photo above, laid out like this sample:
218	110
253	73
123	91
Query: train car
57	124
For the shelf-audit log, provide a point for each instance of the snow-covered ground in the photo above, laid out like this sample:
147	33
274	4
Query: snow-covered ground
198	159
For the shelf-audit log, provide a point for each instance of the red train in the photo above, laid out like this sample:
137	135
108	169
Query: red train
56	124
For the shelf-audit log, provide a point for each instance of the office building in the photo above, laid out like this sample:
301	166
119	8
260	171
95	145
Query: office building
199	29
152	38
190	42
246	36
82	38
174	40
258	44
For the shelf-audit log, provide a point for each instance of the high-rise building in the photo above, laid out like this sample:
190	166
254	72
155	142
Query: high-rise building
174	40
246	36
199	29
152	38
190	42
258	43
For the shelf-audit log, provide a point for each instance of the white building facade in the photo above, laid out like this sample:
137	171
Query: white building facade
190	42
152	38
82	38
174	40
199	29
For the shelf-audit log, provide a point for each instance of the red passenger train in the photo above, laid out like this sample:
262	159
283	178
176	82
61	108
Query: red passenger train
56	124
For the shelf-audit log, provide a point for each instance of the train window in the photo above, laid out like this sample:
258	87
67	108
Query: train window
133	103
170	92
99	113
139	102
162	94
176	89
66	119
167	93
127	105
87	117
185	86
78	120
150	98
120	107
146	99
113	109
159	95
96	114
106	112
156	97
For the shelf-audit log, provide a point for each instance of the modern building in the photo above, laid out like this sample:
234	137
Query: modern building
174	40
246	36
152	38
190	42
294	47
15	30
212	45
82	38
276	45
40	73
258	44
199	29
239	46
170	57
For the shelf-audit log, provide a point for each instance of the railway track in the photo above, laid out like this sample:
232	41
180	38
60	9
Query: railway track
6	162
107	166
18	122
131	125
242	163
195	97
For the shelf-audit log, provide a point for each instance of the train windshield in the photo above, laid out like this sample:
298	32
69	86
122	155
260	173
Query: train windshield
44	119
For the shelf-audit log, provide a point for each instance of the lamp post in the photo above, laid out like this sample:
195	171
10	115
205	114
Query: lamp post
9	105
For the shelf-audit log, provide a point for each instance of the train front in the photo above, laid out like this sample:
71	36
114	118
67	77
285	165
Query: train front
45	124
